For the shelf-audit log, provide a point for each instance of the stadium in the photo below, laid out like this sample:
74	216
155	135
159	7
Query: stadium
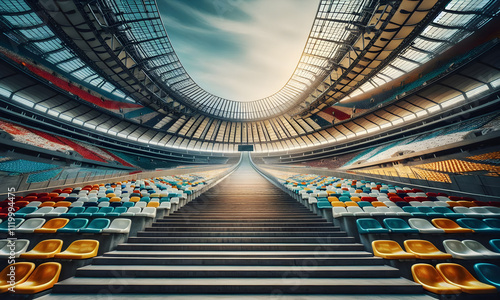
250	149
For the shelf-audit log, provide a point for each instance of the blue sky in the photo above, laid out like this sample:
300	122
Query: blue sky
239	49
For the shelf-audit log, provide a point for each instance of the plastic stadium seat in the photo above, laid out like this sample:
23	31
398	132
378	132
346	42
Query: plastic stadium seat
73	212
52	225
459	276
449	226
21	246
447	213
399	211
414	211
44	249
40	213
24	211
89	212
485	212
80	249
22	272
143	204
390	250
132	211
103	204
44	277
397	225
488	273
103	212
432	281
56	212
351	203
4	226
425	250
458	250
423	226
492	222
357	211
339	211
466	212
478	247
429	212
63	204
476	225
157	204
128	204
147	212
47	204
117	212
30	225
119	225
74	225
96	226
369	225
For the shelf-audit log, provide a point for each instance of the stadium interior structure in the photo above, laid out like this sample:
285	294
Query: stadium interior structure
372	173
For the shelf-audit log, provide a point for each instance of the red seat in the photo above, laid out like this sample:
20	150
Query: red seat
421	199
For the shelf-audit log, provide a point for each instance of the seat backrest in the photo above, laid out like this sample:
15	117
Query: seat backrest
355	209
475	246
395	223
62	204
149	210
442	210
420	246
426	274
141	204
134	210
425	209
27	209
472	223
46	246
45	274
83	246
456	246
99	223
77	223
461	210
368	223
44	210
455	273
22	271
420	223
492	222
92	209
33	204
32	223
121	223
106	210
76	210
444	223
386	247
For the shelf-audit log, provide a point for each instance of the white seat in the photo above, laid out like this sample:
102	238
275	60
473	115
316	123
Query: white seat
132	211
76	204
141	204
30	225
373	211
357	211
493	209
166	205
442	198
399	211
386	211
312	200
147	212
56	212
429	203
83	199
119	225
382	198
416	203
95	199
34	204
440	203
373	194
389	203
174	200
460	251
339	212
478	247
103	204
424	226
483	211
40	212
466	211
21	246
420	194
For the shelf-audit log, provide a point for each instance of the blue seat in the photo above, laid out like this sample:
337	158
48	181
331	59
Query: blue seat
89	212
414	211
430	212
128	204
476	225
96	226
448	213
103	199
24	211
117	212
364	204
73	212
4	226
495	244
344	198
323	204
103	212
398	225
488	273
145	199
74	225
492	222
369	225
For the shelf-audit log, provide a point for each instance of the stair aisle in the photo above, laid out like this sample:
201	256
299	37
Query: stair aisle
244	239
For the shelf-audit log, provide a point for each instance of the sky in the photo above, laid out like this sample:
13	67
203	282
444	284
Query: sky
239	49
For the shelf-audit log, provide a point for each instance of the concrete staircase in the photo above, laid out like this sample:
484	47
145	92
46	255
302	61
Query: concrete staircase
244	236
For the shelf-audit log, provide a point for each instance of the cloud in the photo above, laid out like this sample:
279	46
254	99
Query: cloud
240	50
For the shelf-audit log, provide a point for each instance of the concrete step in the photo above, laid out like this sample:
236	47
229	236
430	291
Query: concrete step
163	227
239	247
241	234
242	220
235	271
235	224
104	285
243	254
227	240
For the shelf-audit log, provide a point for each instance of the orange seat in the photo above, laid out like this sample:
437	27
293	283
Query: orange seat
52	195
80	249
460	277
425	250
62	204
378	204
47	203
115	199
466	203
44	249
21	271
431	280
52	225
390	250
449	226
44	277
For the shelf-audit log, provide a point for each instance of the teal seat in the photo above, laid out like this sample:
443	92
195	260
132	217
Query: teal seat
128	204
103	211
96	226
324	204
430	212
4	226
89	212
74	225
364	203
24	211
117	212
164	199
476	225
414	211
446	212
488	273
369	225
145	199
398	225
345	198
73	212
495	244
492	222
103	199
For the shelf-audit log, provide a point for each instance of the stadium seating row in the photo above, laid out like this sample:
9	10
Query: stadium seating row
82	225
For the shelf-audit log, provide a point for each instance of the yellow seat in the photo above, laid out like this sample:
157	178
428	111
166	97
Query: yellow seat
378	204
350	203
431	280
460	277
390	250
333	199
115	199
62	204
44	249
153	204
44	277
425	250
52	225
21	271
337	204
80	249
449	226
110	195
134	199
355	199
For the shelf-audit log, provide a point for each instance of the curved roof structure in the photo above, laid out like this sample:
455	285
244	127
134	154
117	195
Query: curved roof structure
361	61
